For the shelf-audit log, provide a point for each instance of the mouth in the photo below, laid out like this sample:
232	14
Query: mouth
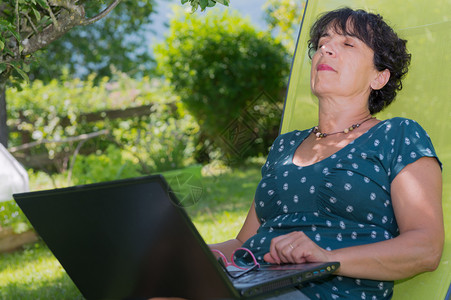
324	67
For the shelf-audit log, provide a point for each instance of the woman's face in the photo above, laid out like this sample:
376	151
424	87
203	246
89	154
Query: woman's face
342	67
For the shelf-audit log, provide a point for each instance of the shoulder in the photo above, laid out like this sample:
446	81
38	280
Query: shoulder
401	123
407	142
295	133
289	137
403	127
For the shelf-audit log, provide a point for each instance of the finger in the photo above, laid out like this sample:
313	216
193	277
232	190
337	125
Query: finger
298	256
284	248
273	251
307	250
269	259
291	248
274	257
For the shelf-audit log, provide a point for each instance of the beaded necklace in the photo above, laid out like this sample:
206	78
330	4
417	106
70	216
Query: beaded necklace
321	135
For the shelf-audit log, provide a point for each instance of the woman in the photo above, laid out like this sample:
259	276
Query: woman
354	189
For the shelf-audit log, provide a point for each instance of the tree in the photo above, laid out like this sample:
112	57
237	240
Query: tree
29	26
118	42
219	64
284	18
204	3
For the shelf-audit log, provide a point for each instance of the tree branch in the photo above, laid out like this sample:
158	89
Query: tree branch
5	75
72	15
67	21
81	137
10	59
2	8
16	11
72	162
101	15
68	5
52	16
35	29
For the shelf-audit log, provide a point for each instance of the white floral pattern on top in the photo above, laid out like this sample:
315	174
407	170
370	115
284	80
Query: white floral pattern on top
341	201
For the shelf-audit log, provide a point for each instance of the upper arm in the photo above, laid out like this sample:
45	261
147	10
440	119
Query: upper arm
250	226
417	199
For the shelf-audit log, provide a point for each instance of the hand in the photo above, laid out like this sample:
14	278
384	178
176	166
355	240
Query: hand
295	248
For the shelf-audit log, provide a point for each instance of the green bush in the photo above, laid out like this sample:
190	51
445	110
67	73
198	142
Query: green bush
164	140
159	139
104	167
11	216
219	65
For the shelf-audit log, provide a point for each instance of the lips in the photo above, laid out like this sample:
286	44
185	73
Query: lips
324	67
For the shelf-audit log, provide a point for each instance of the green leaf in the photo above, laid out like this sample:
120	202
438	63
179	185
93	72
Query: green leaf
21	73
37	15
26	67
184	1
14	33
5	23
203	4
43	4
2	67
223	2
8	51
2	45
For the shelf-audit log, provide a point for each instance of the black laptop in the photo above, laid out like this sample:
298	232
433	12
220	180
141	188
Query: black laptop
131	239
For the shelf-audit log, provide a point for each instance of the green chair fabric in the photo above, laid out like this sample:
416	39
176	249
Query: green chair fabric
426	97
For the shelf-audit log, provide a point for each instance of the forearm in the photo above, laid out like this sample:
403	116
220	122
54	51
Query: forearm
227	247
250	226
409	254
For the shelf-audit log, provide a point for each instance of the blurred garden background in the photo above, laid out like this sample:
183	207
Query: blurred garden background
143	87
99	90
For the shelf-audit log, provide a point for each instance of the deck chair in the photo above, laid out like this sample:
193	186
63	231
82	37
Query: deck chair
426	97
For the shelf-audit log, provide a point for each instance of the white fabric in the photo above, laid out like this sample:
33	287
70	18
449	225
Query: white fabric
13	177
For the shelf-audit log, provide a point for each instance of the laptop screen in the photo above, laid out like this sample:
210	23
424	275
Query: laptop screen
125	239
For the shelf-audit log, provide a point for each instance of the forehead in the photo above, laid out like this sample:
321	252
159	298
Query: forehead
347	30
341	27
350	26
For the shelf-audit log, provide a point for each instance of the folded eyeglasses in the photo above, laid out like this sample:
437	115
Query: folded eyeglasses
243	261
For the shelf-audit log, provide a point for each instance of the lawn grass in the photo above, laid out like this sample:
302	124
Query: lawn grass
34	273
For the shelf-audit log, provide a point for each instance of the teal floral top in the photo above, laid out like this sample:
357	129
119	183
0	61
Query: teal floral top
341	201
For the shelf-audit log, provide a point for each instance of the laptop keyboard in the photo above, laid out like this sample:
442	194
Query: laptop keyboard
262	276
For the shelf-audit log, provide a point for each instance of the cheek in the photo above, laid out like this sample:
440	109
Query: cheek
364	69
313	80
312	75
356	74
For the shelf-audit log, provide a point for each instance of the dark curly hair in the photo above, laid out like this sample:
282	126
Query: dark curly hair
390	51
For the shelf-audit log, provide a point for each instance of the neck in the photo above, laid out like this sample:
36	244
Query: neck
336	115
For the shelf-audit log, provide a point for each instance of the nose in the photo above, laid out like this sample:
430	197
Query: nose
327	49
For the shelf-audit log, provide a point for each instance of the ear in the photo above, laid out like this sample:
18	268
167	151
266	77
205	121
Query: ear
381	80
